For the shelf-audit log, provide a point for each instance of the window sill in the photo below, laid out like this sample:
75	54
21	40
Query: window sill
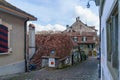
7	53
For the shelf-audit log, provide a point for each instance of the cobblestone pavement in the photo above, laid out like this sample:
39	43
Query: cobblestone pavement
86	70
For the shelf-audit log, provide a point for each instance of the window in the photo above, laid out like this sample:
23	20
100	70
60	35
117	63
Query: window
84	39
112	40
90	46
81	46
75	39
112	43
5	31
94	38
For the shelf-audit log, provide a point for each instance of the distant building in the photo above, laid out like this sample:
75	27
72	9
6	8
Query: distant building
110	38
48	32
54	49
13	57
58	48
85	36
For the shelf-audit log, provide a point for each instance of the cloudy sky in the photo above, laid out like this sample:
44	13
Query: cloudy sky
56	14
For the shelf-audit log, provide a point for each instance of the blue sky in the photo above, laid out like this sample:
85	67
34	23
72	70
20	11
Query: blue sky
56	14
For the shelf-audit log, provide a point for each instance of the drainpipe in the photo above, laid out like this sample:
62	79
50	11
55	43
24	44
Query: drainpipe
100	49
26	56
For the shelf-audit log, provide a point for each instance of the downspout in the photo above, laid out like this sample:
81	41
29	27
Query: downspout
26	56
100	49
100	68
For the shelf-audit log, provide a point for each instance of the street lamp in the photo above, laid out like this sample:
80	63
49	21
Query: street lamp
88	4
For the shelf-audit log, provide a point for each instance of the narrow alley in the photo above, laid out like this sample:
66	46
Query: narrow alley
86	70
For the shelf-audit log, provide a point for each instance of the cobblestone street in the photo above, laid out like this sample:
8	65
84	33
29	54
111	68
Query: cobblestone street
87	70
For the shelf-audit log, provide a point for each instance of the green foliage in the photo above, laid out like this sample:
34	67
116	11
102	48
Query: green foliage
83	56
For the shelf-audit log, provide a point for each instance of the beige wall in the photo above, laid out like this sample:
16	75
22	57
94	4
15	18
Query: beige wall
17	40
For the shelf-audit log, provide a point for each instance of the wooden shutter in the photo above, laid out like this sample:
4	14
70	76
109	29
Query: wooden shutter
3	39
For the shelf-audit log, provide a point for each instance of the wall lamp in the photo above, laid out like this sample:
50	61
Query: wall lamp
88	4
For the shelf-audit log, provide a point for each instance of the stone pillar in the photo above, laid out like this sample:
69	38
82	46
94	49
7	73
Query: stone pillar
31	40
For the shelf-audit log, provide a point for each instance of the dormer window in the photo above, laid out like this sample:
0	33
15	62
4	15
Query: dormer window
75	39
84	39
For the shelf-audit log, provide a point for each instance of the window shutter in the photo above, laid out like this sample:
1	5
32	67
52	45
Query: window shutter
3	39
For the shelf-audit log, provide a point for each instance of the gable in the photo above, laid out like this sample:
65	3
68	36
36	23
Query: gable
81	27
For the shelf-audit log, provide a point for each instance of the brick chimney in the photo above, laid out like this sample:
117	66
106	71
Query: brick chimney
31	40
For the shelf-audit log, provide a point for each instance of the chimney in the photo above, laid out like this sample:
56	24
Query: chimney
77	19
67	26
31	40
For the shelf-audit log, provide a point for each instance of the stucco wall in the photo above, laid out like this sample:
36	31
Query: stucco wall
17	40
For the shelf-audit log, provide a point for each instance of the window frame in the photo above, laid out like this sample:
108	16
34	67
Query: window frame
75	38
84	39
9	36
111	22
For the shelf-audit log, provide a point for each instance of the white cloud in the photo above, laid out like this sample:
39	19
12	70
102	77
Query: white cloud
87	16
56	27
58	12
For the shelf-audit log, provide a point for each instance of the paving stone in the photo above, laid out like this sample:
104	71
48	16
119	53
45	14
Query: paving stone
87	70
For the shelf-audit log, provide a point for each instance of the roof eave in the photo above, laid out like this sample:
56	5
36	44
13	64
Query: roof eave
16	13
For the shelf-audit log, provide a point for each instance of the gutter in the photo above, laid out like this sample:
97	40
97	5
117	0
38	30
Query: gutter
17	13
26	56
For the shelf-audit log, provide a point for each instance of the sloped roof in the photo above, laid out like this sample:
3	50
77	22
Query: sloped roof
79	26
5	6
61	43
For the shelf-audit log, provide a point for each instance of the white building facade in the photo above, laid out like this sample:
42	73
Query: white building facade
110	40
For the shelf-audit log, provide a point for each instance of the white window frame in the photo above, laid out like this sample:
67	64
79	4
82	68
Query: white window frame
75	38
9	36
84	39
